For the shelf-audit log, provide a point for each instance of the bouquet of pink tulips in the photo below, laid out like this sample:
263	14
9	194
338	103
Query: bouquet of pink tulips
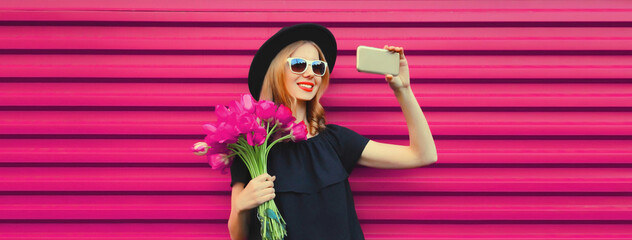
245	129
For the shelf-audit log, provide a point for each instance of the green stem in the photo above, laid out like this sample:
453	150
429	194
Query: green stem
255	159
246	153
273	128
248	162
280	139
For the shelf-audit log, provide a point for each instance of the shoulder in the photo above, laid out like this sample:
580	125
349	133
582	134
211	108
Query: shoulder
342	134
336	128
339	130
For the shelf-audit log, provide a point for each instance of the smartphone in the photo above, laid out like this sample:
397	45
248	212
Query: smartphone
377	60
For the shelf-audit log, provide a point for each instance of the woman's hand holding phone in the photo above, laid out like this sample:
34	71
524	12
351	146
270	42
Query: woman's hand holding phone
401	81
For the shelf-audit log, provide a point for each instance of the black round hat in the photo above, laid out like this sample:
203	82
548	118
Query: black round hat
287	35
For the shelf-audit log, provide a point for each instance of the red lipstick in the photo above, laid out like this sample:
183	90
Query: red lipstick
305	88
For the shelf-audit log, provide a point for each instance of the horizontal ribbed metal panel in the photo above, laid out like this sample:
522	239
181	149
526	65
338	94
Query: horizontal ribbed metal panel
529	103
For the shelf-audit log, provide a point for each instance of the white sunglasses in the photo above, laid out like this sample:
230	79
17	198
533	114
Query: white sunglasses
299	66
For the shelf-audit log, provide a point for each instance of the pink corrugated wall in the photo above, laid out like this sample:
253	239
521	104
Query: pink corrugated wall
529	103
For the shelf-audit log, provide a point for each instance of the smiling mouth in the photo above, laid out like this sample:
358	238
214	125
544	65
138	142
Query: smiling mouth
306	86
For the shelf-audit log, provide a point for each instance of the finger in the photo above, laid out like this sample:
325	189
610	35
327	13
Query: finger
268	179
264	177
265	198
400	50
264	186
270	191
267	193
264	192
271	196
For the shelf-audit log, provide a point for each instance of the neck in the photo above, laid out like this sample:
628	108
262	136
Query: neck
301	109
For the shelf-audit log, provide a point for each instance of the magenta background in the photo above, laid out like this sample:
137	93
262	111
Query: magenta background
528	101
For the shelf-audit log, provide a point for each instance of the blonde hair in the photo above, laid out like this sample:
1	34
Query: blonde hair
273	88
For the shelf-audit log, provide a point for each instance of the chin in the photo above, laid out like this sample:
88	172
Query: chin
306	96
305	99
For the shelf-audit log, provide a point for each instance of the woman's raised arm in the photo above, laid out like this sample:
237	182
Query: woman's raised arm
421	150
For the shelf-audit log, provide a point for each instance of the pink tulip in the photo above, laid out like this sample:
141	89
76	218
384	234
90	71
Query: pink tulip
218	161
246	123
227	133
299	132
217	148
209	128
199	148
260	136
249	104
213	144
237	108
284	116
222	113
211	139
266	110
257	137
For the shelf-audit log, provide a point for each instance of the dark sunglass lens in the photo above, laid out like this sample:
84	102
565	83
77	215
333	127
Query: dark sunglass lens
319	68
298	65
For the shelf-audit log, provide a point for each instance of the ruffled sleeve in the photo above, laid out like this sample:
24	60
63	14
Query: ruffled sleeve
239	172
348	144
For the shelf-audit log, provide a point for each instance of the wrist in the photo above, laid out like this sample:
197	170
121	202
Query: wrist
242	211
402	91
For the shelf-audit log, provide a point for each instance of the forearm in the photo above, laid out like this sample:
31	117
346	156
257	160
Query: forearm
238	224
420	137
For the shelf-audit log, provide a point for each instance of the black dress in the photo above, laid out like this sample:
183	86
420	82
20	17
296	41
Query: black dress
312	187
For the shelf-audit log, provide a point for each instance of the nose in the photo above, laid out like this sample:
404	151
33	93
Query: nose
309	72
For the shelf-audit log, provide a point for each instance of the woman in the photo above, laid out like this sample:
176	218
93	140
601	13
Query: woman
310	184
